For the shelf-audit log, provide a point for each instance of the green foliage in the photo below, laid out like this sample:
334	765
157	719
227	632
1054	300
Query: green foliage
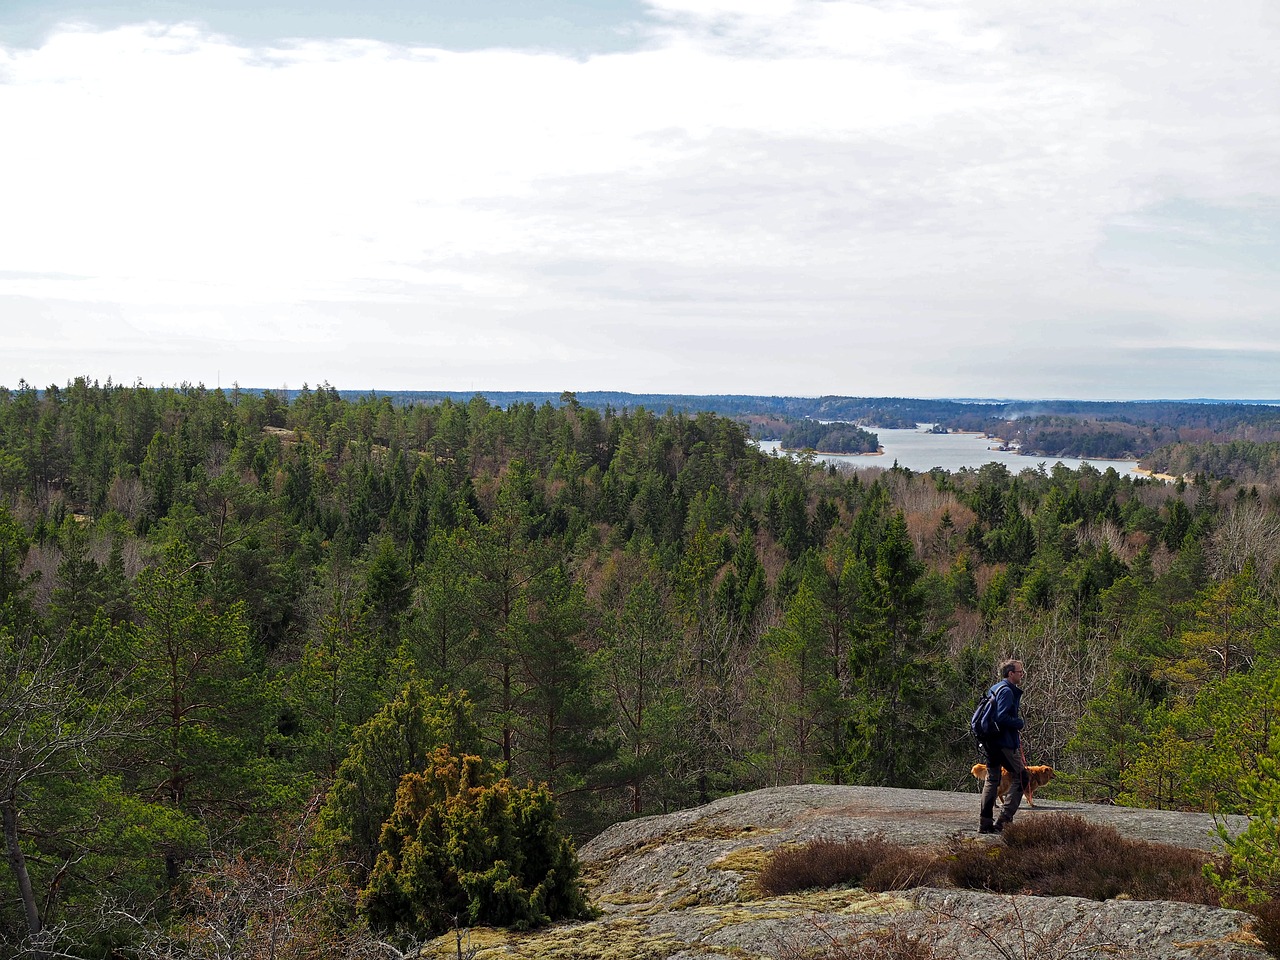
104	845
462	849
1109	738
644	611
336	685
1253	872
202	711
439	637
561	717
76	836
636	669
899	708
993	600
388	586
1245	460
1229	625
809	673
800	693
1196	753
398	740
15	601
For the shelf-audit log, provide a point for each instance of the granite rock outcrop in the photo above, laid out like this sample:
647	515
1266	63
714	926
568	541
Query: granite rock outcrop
680	886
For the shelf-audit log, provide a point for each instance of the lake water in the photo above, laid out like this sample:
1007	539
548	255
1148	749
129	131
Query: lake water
922	451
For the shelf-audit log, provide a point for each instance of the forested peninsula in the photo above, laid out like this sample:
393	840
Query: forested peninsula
272	660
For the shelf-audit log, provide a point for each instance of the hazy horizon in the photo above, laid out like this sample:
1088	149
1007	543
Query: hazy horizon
803	197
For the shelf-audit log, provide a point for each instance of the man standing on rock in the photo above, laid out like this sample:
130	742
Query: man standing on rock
1004	749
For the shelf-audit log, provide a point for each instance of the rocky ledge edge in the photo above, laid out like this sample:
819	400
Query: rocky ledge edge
677	887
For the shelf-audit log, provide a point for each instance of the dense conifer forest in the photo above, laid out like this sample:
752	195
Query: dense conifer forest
233	621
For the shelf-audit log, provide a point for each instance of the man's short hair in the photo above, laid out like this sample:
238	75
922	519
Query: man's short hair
1007	668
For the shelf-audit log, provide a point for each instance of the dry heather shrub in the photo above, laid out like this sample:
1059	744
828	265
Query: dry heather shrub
873	863
1053	856
1062	855
820	864
981	866
903	868
1267	924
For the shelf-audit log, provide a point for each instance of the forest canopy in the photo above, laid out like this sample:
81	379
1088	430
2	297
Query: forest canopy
235	624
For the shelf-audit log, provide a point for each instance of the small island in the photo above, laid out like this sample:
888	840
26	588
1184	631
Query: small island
829	438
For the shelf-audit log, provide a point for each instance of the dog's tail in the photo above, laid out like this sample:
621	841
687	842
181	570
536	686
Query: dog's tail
979	771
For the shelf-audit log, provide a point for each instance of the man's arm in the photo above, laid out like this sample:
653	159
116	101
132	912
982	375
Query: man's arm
1005	717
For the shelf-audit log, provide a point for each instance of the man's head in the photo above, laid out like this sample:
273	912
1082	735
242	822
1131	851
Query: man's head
1012	671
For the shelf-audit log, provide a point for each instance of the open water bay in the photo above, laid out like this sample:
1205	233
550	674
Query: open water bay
921	450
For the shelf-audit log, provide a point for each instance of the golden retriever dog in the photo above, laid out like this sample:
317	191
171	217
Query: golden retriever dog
1037	776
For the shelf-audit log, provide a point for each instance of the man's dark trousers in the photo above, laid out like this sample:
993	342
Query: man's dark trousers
1010	760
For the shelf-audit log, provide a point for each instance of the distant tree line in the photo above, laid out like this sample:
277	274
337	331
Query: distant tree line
1246	461
1123	431
1115	430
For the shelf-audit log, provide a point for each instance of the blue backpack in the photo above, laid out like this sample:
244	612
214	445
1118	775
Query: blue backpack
982	725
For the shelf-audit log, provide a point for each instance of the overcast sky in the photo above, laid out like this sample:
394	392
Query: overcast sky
967	198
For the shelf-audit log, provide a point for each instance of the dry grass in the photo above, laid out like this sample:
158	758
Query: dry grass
1056	855
874	864
894	942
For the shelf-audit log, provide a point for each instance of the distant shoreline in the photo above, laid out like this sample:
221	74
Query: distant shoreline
832	453
1017	453
1167	477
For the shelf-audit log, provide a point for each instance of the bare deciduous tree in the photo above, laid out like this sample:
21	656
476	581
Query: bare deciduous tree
1065	670
274	907
1246	533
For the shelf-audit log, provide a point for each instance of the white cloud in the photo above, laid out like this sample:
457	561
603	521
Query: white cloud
857	181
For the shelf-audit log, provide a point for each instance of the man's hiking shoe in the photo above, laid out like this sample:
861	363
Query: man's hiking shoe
989	829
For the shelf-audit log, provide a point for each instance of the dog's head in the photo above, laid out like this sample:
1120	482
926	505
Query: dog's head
1040	775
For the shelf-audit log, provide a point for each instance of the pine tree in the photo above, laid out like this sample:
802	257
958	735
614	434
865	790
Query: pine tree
900	679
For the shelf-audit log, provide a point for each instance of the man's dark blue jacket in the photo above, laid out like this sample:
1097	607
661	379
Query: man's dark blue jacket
1008	718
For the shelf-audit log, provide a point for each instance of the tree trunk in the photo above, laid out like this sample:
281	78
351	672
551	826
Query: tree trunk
18	864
